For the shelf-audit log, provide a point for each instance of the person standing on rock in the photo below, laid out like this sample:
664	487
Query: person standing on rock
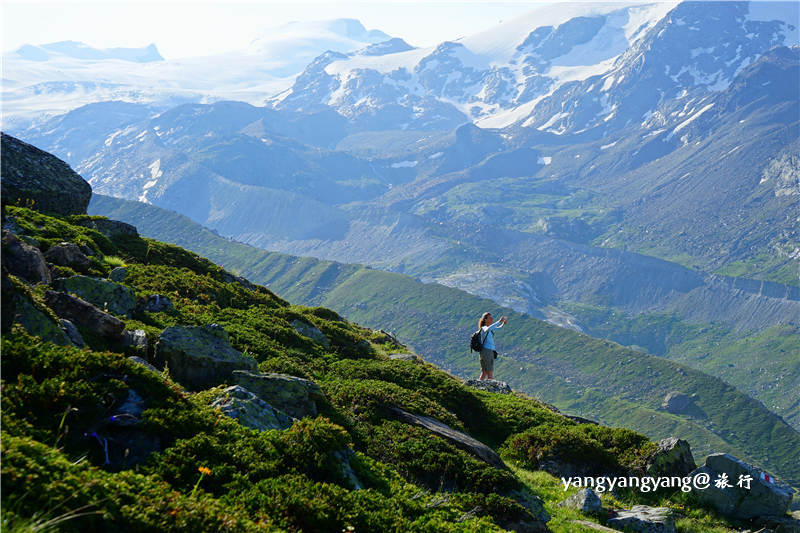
487	326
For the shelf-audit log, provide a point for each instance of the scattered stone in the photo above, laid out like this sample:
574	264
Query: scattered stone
673	458
405	357
109	228
250	410
581	420
676	402
585	501
118	274
136	339
644	519
138	360
72	332
763	499
200	357
85	315
227	277
292	395
111	296
155	303
69	255
489	385
33	178
23	260
461	440
592	525
312	332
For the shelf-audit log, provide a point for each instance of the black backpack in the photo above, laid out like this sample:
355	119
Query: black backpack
475	342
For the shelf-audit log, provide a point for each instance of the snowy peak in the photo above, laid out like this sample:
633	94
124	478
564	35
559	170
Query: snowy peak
339	35
78	50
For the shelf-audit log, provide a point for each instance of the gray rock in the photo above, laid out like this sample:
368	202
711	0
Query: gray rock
72	332
108	295
405	357
346	469
138	360
673	458
118	274
24	312
130	412
156	303
85	315
644	519
109	228
312	332
136	339
68	255
250	410
227	277
585	501
762	499
36	179
676	402
292	395
200	357
23	260
489	385
461	440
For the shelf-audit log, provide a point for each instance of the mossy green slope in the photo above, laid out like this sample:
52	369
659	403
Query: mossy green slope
581	375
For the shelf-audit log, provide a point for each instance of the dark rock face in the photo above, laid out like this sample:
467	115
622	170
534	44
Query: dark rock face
292	395
200	357
250	410
19	308
118	274
139	361
33	178
462	440
23	260
136	338
644	519
115	298
673	458
68	255
585	501
85	315
489	385
764	498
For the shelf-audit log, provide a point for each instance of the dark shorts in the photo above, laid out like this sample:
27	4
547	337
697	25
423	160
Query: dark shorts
487	360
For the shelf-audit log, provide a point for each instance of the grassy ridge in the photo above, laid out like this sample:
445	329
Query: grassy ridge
594	378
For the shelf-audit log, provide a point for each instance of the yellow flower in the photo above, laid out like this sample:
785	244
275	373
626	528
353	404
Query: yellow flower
204	470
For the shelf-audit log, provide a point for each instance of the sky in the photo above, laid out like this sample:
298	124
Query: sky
189	29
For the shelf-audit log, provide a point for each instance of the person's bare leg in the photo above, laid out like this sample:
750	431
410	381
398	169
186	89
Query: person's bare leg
489	375
483	375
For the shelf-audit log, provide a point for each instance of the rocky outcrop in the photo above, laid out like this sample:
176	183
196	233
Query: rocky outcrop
72	332
139	361
672	458
109	295
200	357
118	274
405	357
69	255
644	519
250	410
489	385
19	308
461	440
765	496
135	339
312	332
109	228
676	402
33	178
295	396
585	501
23	260
84	314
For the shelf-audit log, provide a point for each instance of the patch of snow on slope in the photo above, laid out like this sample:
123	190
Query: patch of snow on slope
689	120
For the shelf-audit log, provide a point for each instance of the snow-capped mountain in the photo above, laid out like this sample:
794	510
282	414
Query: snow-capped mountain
533	70
58	77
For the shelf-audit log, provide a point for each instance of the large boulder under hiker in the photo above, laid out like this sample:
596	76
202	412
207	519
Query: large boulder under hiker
482	341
